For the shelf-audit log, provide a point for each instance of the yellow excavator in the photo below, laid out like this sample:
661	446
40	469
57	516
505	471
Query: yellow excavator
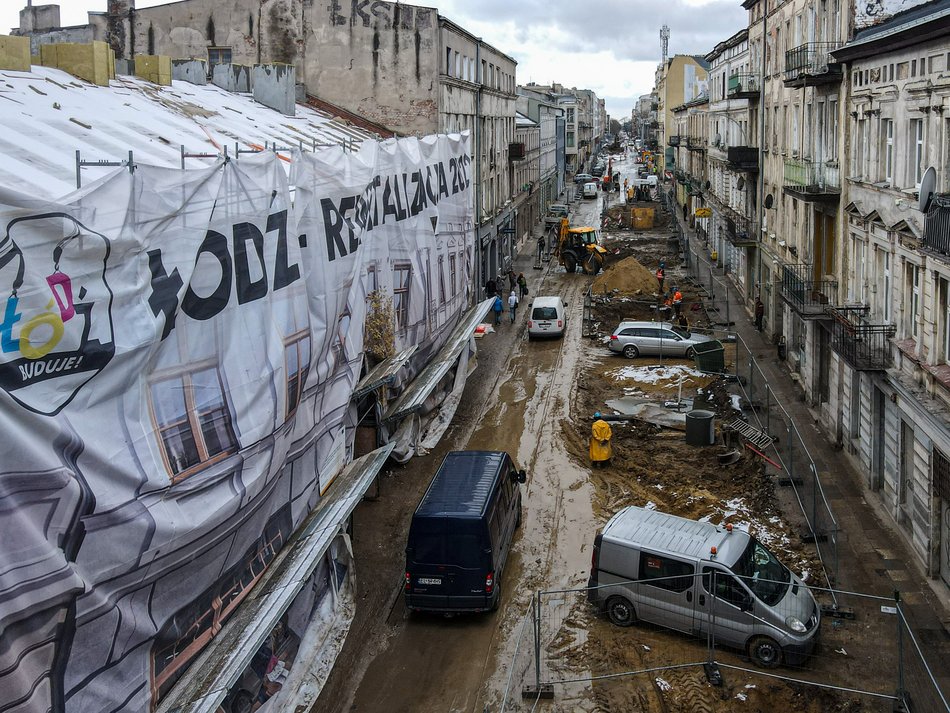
580	246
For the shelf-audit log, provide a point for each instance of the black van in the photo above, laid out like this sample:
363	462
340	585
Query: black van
461	533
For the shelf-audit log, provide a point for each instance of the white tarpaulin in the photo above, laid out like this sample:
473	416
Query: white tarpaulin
179	350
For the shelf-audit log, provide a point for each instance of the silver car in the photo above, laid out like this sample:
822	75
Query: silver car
634	339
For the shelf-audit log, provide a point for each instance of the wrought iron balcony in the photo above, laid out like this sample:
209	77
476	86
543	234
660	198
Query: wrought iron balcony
812	63
739	230
744	85
863	345
673	140
812	180
809	297
743	158
694	143
680	175
937	225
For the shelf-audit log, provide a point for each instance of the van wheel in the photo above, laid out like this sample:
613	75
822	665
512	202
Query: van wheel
765	652
620	611
631	352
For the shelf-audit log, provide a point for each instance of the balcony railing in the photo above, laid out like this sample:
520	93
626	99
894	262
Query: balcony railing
743	158
739	230
937	225
863	345
673	140
806	295
812	63
811	179
694	143
744	85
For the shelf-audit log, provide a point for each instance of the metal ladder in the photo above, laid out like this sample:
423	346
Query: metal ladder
759	439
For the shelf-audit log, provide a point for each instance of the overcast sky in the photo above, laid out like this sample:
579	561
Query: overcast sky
610	46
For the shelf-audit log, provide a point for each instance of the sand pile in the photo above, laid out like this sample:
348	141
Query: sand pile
627	277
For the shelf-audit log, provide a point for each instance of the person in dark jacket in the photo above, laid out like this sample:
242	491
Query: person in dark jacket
759	313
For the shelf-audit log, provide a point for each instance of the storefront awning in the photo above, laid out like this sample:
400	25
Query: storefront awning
210	677
383	373
423	385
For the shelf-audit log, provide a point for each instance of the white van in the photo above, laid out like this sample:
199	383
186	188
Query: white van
683	574
547	318
590	190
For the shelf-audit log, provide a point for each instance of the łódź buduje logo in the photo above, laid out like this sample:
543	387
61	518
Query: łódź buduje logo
56	328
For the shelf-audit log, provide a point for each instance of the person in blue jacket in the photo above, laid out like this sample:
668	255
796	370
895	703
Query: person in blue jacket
498	307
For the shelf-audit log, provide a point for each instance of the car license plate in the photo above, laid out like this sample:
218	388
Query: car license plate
429	580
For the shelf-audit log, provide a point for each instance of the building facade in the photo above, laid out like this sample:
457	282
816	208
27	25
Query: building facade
680	80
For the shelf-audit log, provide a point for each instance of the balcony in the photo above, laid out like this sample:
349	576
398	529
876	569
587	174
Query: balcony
739	230
743	85
863	345
937	226
743	158
811	64
694	143
516	151
812	180
680	175
810	298
673	140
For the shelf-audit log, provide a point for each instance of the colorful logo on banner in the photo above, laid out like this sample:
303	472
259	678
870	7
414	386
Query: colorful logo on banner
56	328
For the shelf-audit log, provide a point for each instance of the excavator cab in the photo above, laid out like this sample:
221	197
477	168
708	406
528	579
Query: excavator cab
580	246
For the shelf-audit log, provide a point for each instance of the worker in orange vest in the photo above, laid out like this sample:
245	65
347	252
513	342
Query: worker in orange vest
677	301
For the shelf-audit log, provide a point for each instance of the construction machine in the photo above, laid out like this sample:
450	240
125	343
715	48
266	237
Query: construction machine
580	246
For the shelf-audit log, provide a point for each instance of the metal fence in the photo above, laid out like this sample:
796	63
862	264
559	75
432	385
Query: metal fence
681	633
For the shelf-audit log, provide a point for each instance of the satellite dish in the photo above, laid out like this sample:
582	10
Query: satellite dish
769	201
927	185
740	184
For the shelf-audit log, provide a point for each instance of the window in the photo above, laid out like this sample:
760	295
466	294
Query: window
570	139
297	364
913	285
727	587
218	55
888	132
665	573
448	60
402	279
917	150
193	419
886	297
945	311
452	274
441	279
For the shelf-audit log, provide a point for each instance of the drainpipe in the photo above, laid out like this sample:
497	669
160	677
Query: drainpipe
760	198
479	278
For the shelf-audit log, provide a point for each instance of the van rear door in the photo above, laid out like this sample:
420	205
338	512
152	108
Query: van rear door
446	563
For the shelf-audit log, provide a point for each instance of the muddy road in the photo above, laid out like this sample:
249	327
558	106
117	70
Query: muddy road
535	400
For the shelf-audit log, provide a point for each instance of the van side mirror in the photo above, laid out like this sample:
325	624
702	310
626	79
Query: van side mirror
566	304
522	476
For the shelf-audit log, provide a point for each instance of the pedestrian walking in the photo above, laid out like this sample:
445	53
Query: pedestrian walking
497	308
490	290
522	285
512	305
759	313
660	275
512	280
540	247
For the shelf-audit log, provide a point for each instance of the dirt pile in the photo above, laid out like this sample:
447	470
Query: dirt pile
627	277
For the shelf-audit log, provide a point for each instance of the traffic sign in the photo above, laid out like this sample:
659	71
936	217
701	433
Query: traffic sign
703	213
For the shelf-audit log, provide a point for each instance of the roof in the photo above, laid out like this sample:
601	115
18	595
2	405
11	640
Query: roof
523	121
910	27
48	115
675	535
462	485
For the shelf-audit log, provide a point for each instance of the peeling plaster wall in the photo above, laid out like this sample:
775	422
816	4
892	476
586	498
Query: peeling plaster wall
378	59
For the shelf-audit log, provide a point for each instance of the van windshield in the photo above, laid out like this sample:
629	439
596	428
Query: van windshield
762	573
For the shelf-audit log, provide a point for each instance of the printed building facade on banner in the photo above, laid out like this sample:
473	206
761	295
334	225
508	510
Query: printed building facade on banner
179	355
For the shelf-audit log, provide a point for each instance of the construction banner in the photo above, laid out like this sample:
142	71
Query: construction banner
178	351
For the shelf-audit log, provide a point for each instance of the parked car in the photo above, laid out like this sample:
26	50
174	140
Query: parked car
461	533
633	339
559	210
548	317
583	178
695	577
590	190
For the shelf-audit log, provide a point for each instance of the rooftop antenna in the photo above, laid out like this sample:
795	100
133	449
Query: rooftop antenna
665	36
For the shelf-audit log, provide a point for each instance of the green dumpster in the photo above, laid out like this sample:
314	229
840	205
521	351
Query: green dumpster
710	357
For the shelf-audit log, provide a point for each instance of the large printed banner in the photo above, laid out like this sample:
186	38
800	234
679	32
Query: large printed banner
177	355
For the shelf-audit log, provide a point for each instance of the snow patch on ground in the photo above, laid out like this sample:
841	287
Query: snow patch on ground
736	402
655	374
662	684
